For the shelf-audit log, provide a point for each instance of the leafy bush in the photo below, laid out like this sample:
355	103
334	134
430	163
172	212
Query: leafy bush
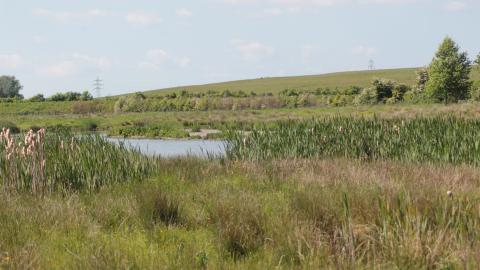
383	88
37	98
475	91
135	103
368	96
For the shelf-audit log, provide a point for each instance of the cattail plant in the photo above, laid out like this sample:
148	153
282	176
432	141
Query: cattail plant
44	163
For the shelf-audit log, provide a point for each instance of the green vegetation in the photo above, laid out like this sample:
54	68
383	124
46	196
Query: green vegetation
10	87
42	163
341	80
427	140
303	214
449	74
338	171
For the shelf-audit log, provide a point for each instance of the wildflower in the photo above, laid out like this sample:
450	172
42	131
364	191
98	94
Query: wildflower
340	129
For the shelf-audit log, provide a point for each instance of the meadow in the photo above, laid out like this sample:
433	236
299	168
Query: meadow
388	186
71	202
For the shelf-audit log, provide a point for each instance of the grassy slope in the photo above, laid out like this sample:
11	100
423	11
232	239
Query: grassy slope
332	80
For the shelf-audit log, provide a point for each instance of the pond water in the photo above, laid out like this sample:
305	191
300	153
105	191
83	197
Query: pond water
175	148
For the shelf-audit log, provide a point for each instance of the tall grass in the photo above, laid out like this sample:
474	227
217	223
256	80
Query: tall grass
43	163
438	139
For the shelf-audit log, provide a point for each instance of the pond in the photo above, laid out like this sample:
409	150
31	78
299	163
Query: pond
175	148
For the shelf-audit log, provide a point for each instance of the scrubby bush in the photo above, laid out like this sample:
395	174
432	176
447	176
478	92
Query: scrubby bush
383	88
368	96
37	98
134	103
399	92
83	107
475	91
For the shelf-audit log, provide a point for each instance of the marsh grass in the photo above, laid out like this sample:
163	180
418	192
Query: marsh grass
293	213
437	139
43	163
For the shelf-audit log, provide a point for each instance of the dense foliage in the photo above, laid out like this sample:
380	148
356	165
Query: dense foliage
10	87
449	74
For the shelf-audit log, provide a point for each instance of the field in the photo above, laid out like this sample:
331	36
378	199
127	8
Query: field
332	80
389	186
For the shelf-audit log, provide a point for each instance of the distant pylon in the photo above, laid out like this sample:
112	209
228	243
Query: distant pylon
371	65
97	86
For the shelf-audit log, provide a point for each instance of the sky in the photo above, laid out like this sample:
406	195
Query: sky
63	45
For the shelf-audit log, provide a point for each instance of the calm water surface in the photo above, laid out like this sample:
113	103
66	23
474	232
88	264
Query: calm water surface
175	148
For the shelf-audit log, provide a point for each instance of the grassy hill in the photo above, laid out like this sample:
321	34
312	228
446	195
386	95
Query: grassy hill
311	82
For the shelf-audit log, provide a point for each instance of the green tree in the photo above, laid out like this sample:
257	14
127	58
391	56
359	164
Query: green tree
10	87
449	74
86	96
477	61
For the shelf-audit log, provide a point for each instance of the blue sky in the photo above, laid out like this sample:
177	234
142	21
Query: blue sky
60	45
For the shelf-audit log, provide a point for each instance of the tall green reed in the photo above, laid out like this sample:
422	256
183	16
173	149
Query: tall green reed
43	163
439	139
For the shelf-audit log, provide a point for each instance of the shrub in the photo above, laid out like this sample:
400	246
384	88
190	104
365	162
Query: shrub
399	91
415	95
135	103
37	98
383	88
353	90
86	96
9	125
475	91
89	125
83	107
368	96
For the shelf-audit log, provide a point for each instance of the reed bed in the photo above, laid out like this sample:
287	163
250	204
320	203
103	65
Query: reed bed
43	163
438	139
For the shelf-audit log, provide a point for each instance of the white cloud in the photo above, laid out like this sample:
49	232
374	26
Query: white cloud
142	18
101	63
252	51
184	13
455	6
60	69
364	51
156	58
74	64
10	61
65	16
